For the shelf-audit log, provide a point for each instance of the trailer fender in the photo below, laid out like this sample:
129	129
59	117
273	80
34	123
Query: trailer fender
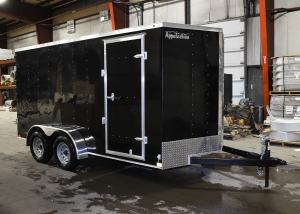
70	131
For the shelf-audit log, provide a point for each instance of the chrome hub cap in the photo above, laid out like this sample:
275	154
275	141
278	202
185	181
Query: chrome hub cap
38	147
63	153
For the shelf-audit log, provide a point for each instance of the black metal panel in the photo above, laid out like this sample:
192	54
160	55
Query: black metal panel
22	94
124	80
211	41
205	60
49	71
255	86
95	55
177	86
227	88
153	94
190	84
65	81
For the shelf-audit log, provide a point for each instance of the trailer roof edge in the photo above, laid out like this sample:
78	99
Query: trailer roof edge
121	31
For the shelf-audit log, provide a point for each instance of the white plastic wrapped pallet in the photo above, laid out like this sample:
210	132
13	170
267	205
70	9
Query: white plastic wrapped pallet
285	106
286	73
6	54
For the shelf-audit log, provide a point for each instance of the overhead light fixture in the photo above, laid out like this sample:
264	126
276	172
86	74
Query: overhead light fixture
2	1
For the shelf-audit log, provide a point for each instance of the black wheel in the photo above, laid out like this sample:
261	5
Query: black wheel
40	147
65	153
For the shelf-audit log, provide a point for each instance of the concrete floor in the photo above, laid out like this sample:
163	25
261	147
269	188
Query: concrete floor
106	186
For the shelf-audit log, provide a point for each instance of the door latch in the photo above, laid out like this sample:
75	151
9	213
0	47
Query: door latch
145	139
103	120
112	97
103	72
142	55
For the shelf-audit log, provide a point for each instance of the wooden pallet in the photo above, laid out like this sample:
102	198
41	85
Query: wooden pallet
234	134
284	142
227	136
285	93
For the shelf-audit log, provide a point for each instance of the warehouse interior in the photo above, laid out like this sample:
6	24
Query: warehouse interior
253	168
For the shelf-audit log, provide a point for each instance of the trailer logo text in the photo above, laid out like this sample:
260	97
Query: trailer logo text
175	35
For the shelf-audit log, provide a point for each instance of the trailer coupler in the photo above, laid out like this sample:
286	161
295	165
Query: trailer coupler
251	159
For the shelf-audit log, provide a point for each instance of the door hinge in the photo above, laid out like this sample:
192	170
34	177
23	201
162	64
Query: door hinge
145	139
142	55
104	121
103	73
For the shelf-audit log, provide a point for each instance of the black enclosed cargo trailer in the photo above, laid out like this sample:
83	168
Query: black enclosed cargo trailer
149	95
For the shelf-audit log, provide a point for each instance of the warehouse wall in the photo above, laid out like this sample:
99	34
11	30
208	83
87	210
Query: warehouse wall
287	29
22	41
86	26
83	27
286	33
253	41
164	12
202	11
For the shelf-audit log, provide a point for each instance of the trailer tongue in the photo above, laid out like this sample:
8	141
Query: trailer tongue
263	160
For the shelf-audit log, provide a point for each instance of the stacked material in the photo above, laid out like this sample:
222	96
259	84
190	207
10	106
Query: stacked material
285	130
5	78
285	106
286	73
9	79
13	74
6	54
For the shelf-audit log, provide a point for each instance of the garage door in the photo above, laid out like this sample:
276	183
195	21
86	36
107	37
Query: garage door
233	54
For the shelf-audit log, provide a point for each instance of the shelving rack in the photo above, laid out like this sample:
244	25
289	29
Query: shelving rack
10	62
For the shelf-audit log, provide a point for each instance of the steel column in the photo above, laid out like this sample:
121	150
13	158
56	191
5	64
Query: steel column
267	45
119	15
44	34
1	101
187	11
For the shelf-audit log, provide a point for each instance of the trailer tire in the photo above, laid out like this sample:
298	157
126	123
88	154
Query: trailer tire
65	153
40	147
